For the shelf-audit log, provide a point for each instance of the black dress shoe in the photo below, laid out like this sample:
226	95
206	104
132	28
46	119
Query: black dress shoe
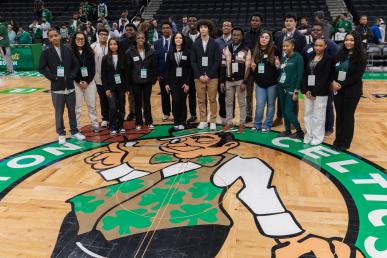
341	148
297	135
285	134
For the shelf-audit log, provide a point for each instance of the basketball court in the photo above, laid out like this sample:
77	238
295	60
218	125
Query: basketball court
169	193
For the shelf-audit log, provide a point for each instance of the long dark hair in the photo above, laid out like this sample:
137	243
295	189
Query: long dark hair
86	48
173	41
257	54
109	55
358	55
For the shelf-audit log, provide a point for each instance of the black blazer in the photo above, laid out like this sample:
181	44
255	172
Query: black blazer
214	59
352	86
135	64
324	72
297	36
108	71
88	61
49	61
171	65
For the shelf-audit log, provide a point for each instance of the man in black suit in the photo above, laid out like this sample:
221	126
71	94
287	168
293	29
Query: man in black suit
290	31
59	65
192	36
205	61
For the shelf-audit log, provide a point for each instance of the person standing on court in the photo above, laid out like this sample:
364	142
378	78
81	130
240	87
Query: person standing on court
318	77
100	49
113	76
331	49
205	62
84	83
290	32
348	88
252	36
60	66
234	77
142	71
193	35
266	58
128	40
162	46
290	81
177	79
222	42
5	49
364	31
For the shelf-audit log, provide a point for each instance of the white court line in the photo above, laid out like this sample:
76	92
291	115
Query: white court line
4	178
84	249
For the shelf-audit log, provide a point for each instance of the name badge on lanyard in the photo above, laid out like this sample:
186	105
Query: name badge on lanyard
261	68
342	76
60	71
283	77
311	80
205	61
235	68
179	71
84	71
143	73
117	78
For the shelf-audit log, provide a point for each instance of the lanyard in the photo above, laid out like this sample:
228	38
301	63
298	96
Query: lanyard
178	56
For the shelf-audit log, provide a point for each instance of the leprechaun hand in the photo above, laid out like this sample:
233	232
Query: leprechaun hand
109	158
318	246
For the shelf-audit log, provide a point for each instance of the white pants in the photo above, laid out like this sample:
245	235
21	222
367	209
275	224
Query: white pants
314	118
7	58
90	95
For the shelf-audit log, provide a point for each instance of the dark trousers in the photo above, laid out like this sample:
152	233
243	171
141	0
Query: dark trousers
165	99
179	104
249	96
131	100
330	115
117	109
287	106
104	102
280	114
142	96
345	119
60	101
222	102
192	98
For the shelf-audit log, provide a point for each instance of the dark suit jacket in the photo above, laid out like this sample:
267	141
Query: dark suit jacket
49	61
298	37
324	72
352	86
160	52
214	59
87	61
108	71
135	64
171	65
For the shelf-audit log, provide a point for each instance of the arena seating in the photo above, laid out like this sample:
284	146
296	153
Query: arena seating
372	8
239	11
22	10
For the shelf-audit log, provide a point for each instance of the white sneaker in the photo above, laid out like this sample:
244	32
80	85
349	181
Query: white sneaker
113	133
151	127
213	127
181	127
122	131
202	125
307	139
96	128
78	136
138	128
104	123
62	139
314	142
176	127
165	117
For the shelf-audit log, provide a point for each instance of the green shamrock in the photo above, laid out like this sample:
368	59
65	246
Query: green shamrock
207	189
85	204
183	179
162	197
193	213
125	187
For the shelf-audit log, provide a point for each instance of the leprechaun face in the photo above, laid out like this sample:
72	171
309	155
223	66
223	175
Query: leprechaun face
190	147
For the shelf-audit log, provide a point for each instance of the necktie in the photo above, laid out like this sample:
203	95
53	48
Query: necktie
166	45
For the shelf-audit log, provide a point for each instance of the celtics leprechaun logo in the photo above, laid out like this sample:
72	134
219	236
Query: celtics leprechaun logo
166	190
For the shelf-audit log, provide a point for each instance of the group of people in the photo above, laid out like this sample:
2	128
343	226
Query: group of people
211	73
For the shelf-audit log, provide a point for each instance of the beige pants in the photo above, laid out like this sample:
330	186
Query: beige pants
231	88
206	91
